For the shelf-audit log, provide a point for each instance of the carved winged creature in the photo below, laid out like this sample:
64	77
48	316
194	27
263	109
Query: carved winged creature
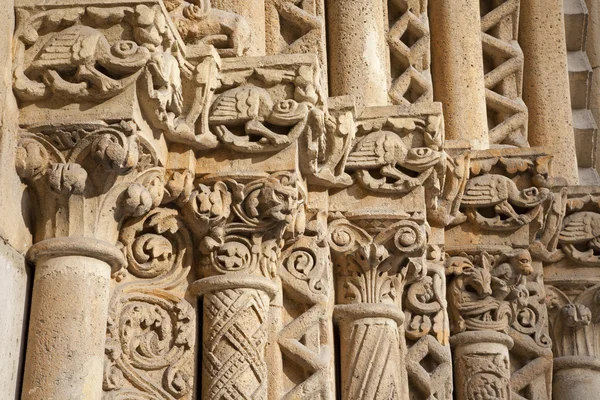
386	151
82	49
252	108
581	227
203	24
580	238
501	193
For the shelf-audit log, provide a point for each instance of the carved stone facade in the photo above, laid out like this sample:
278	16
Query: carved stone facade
298	199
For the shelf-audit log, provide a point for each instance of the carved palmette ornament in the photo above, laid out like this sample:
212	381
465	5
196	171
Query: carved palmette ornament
151	327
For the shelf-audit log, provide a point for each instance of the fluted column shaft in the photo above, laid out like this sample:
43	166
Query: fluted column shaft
358	56
546	83
67	328
457	65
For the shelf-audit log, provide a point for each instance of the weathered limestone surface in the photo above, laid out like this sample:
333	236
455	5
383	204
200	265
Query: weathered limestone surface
15	237
281	199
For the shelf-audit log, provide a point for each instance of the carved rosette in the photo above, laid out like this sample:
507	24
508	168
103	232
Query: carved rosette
370	276
241	255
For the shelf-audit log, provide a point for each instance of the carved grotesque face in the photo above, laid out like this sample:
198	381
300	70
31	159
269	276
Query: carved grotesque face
478	280
475	279
521	262
274	201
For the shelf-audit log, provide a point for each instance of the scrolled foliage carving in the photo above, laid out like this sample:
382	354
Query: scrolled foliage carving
151	327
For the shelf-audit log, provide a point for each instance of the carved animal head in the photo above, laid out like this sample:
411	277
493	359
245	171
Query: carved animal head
520	261
288	112
576	315
471	278
531	197
421	158
271	200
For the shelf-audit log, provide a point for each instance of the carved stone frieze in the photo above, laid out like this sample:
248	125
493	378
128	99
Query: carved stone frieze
257	200
87	53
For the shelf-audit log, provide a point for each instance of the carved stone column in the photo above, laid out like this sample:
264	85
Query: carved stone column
370	282
457	66
479	320
90	162
503	58
546	83
358	55
573	298
481	365
65	352
242	251
509	215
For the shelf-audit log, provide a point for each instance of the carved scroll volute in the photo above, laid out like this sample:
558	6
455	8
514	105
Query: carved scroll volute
241	255
151	329
86	179
370	278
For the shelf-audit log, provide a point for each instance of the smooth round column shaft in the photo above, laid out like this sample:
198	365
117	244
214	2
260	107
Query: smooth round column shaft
67	326
457	66
253	11
576	377
546	84
482	365
357	49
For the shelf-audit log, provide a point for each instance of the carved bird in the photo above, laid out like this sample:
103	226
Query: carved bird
581	227
253	107
384	149
501	193
82	49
